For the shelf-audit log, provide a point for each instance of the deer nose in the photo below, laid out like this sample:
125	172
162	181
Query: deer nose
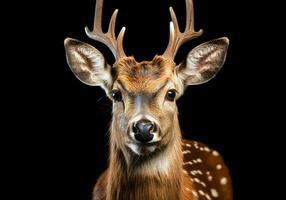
143	130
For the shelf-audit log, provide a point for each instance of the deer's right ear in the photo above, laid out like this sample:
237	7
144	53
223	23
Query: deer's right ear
203	62
88	64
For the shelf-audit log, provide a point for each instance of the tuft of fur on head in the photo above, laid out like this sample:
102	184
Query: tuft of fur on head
143	76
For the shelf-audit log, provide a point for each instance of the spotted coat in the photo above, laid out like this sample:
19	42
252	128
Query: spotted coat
205	168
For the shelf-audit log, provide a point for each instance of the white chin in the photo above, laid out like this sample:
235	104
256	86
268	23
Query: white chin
141	149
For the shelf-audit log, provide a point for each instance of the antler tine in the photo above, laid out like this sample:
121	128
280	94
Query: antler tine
189	15
120	50
108	38
174	20
111	27
177	38
98	15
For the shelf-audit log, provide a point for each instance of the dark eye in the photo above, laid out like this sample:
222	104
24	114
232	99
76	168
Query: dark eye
171	94
116	95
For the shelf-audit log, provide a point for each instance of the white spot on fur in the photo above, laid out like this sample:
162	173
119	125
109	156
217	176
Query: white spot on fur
214	193
223	181
201	192
215	153
210	178
188	145
208	197
201	148
203	184
207	149
186	152
196	145
188	189
208	172
195	193
185	172
197	180
193	172
200	182
187	163
199	160
218	166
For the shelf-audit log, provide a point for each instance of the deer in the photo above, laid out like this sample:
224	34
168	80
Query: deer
148	157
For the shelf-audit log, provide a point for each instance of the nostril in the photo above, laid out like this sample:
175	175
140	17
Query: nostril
134	128
150	128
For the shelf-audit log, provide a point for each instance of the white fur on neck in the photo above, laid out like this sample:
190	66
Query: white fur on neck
159	165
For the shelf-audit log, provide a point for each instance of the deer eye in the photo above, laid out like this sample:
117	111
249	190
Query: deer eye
171	94
116	95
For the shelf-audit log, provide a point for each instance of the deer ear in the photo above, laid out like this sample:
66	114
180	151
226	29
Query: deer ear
203	62
88	64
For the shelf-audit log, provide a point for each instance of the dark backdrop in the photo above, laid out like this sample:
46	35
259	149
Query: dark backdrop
59	127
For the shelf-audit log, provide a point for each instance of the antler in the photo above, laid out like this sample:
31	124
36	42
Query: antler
108	38
177	38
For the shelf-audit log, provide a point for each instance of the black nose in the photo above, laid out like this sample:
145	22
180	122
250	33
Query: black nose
143	130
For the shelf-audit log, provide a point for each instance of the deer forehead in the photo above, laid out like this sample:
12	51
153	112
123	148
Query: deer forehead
146	76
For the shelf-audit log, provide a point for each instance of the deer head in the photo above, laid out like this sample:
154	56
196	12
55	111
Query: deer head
144	93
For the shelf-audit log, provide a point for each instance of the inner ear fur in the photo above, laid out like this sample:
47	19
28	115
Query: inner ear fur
203	62
88	64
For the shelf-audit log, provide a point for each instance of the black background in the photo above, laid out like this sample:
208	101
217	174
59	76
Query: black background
59	127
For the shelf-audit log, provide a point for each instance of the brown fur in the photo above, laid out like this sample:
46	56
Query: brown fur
200	163
128	186
145	76
164	167
171	172
130	176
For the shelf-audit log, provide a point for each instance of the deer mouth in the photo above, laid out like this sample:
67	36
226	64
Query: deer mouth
143	149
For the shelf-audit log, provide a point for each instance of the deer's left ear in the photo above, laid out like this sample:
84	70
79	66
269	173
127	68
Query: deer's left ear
203	62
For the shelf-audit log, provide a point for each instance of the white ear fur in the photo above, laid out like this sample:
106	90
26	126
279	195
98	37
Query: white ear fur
88	64
203	62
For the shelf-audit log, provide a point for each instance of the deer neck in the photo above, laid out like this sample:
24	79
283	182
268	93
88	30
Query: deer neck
158	176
